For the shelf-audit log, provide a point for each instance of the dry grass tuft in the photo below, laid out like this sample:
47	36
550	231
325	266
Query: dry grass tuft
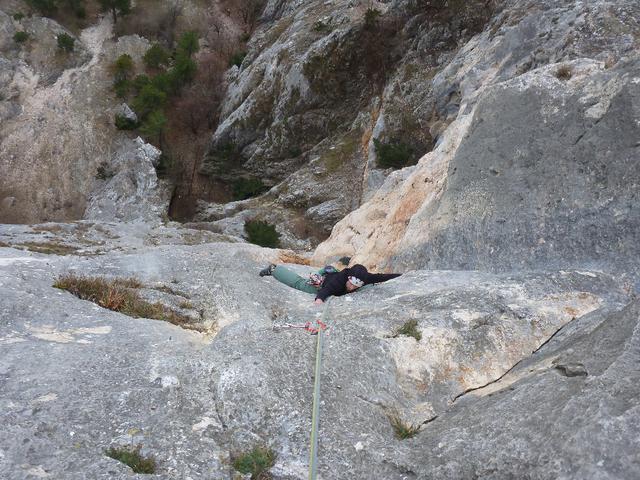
564	72
288	256
49	248
120	295
402	429
133	459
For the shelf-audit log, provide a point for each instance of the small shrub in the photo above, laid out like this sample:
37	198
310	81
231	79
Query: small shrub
80	11
156	56
392	155
402	429
104	172
153	124
321	27
183	71
122	88
564	72
66	42
294	151
257	462
188	43
245	37
132	458
125	123
165	82
262	233
244	188
371	18
148	100
18	16
123	66
45	7
237	59
20	37
409	329
116	7
165	164
140	81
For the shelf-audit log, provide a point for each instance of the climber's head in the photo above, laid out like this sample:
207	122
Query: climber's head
354	283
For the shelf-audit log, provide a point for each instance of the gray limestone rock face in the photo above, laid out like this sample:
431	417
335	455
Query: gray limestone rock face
542	50
58	128
130	189
538	423
300	111
126	112
77	379
556	184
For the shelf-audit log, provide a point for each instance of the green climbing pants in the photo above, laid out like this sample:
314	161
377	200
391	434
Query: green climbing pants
293	280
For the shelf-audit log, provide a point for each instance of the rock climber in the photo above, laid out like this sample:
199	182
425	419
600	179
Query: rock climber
328	281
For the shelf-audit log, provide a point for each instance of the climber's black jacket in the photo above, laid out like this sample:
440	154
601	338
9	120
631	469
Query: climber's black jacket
336	283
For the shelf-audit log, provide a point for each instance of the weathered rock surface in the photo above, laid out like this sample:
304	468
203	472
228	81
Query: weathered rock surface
77	378
61	129
318	84
526	365
557	417
131	190
536	170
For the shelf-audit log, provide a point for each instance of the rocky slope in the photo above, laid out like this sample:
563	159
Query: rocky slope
303	107
320	82
78	379
59	148
61	114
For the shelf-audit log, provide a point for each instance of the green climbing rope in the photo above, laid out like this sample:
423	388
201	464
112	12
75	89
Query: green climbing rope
315	416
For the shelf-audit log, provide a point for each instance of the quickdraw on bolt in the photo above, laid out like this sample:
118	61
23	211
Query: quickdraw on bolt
307	326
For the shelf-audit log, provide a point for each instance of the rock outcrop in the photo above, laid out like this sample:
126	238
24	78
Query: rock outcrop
131	190
320	82
536	170
60	129
507	349
98	378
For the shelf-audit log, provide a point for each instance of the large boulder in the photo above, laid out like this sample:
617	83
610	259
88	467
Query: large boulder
129	188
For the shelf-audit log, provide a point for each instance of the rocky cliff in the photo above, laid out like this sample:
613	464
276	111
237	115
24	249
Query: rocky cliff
507	349
540	165
59	114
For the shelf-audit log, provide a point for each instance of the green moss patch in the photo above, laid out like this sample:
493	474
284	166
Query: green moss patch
133	459
262	233
392	155
409	329
257	462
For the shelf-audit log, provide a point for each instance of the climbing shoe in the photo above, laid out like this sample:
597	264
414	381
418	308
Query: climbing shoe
267	271
345	261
